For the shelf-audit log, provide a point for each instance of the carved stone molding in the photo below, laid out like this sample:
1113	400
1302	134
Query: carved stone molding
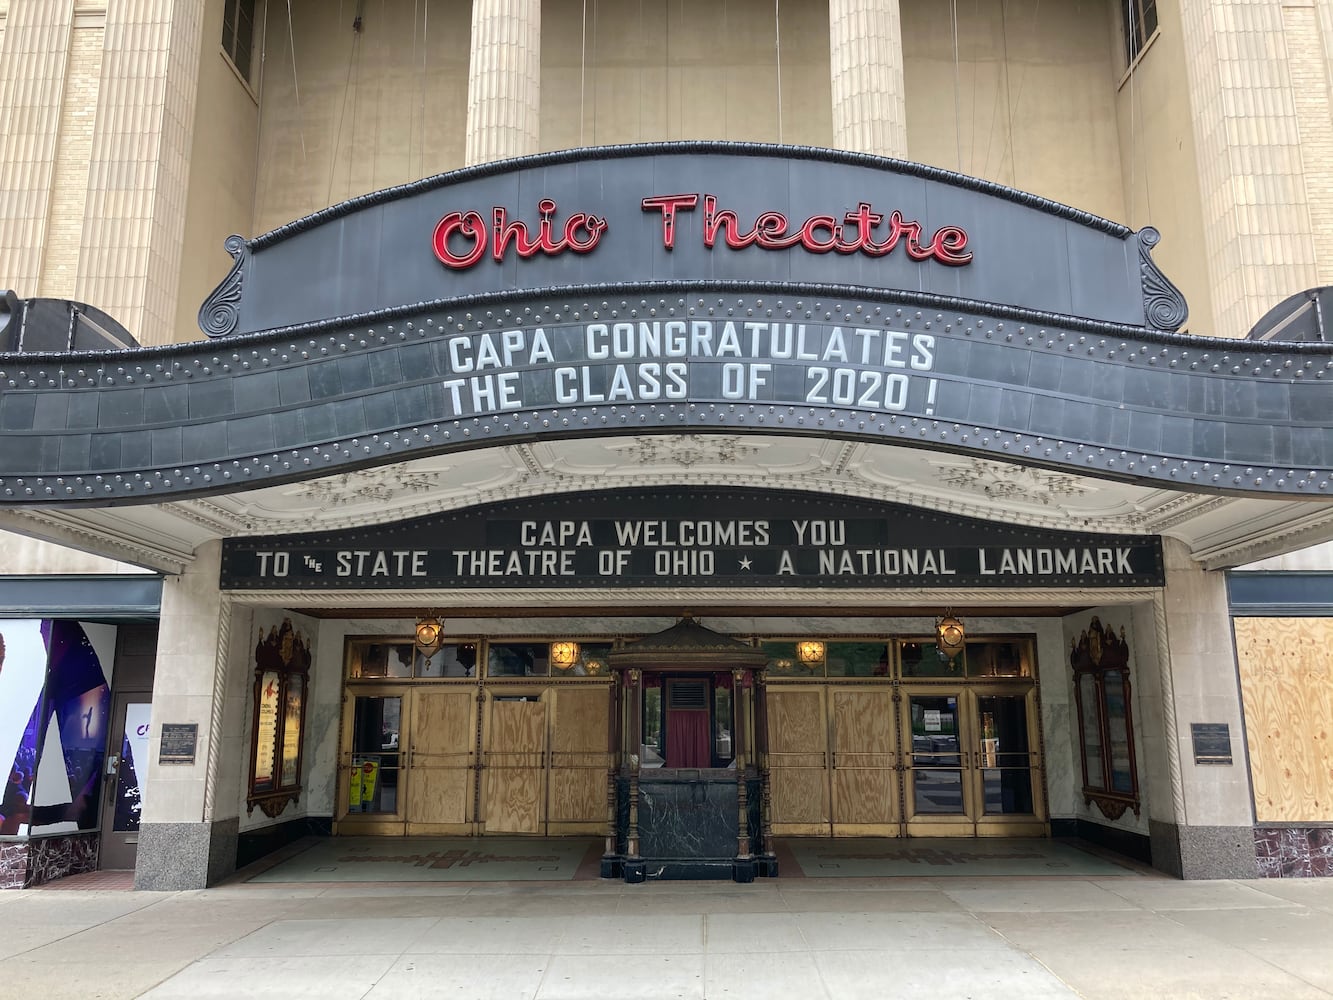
688	450
999	481
379	486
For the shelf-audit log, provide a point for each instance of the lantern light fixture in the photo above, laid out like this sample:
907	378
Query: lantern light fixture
950	634
564	654
810	652
430	633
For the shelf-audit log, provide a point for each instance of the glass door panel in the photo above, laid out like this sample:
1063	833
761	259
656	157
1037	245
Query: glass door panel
1003	758
372	766
1008	765
938	799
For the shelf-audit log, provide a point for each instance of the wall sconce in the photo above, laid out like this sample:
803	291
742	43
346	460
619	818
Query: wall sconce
810	652
430	633
949	634
564	654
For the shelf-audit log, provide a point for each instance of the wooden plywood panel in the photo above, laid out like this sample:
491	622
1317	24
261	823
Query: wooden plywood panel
579	758
441	762
443	722
1286	675
865	787
440	795
798	759
515	767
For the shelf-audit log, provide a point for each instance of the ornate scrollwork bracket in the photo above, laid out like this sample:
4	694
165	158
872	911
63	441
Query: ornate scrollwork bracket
221	311
1112	807
1163	304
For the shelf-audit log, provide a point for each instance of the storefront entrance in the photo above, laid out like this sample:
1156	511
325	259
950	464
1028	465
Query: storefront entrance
492	756
880	738
939	747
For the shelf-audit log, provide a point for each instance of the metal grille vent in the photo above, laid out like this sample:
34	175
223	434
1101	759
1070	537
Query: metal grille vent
687	694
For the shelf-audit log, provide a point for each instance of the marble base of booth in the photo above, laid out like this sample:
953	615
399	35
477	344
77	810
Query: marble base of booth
1294	851
26	863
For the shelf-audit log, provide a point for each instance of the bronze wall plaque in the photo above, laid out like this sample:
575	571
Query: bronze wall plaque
1212	743
179	742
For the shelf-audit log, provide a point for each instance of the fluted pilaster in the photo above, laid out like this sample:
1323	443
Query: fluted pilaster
866	71
33	60
139	172
504	80
1248	137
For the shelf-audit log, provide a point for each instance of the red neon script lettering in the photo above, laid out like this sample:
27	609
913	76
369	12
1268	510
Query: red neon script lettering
817	234
461	238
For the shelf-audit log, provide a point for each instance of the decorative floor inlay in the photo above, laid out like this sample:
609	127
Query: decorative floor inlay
868	858
434	859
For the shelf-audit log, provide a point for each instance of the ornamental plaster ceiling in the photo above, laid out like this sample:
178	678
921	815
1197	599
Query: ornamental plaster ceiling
1219	531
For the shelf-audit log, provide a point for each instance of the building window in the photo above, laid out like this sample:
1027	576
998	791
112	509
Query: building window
238	33
1140	21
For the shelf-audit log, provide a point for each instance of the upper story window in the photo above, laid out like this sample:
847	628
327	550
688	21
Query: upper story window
238	33
1139	21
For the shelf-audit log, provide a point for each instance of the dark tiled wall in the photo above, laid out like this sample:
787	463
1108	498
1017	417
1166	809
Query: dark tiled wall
1294	852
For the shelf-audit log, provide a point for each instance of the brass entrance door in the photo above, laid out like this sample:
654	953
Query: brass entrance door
442	761
865	783
371	779
579	760
798	761
514	763
971	762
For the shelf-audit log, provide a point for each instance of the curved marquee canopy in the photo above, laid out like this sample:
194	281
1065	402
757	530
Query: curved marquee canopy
652	289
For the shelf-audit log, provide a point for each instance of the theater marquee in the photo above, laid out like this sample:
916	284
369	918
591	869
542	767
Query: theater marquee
655	538
676	288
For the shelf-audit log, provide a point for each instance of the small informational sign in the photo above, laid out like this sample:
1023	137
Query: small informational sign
179	743
932	720
361	790
1212	742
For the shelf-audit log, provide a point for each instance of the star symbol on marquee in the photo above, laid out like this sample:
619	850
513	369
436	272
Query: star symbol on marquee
745	563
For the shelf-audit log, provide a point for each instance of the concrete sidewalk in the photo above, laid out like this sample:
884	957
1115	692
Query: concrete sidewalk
777	939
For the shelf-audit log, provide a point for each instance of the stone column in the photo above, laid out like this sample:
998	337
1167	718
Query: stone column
190	820
866	69
1212	835
129	260
33	59
1241	59
504	80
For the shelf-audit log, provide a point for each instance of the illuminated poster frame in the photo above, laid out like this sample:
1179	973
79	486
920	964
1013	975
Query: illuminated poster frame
277	725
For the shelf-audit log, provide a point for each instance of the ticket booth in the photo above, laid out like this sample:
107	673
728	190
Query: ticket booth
691	790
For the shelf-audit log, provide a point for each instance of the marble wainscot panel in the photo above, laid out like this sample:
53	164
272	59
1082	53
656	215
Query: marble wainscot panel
1294	852
13	864
52	858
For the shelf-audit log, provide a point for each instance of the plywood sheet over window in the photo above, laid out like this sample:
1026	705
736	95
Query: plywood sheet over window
1286	674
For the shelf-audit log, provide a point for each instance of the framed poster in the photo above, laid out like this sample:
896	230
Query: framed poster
282	677
1100	659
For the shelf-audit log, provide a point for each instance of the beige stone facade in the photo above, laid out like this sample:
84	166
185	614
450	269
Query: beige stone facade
133	147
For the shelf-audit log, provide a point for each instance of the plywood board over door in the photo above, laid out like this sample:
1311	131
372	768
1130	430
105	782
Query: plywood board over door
514	799
798	760
865	784
441	761
1286	680
576	800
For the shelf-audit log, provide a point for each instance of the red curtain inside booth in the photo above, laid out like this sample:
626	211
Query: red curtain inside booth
688	743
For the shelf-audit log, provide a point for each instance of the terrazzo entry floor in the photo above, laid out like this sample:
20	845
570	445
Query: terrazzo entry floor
554	859
438	859
869	858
